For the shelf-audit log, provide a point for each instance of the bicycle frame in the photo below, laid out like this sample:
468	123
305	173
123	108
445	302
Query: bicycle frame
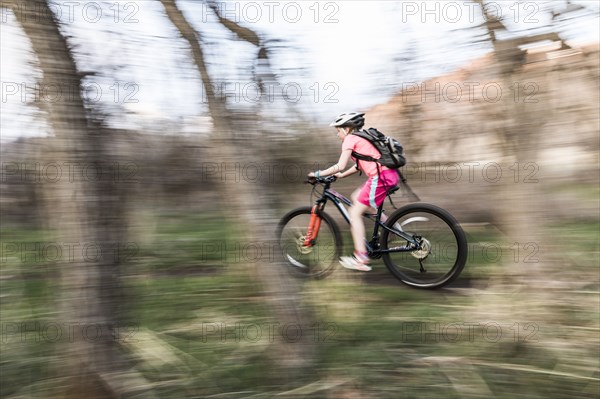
339	201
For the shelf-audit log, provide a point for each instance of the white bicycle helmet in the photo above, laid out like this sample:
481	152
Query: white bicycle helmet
354	120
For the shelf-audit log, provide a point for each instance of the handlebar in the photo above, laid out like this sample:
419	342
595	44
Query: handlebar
321	180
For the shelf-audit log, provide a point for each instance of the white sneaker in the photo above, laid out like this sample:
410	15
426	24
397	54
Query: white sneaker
351	262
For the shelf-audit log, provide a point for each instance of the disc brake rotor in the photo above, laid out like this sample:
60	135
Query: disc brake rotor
424	251
304	250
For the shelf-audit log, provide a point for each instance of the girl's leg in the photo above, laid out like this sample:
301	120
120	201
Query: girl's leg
354	198
355	194
357	227
360	259
359	245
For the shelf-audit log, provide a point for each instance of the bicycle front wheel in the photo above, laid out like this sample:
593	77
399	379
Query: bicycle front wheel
316	260
443	246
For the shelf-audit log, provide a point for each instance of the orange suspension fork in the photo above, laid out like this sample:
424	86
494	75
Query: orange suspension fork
313	227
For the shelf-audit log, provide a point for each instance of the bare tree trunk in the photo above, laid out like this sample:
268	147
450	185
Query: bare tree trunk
527	265
520	210
88	217
248	207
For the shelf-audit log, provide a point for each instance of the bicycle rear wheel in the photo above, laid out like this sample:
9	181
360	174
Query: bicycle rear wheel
443	251
314	261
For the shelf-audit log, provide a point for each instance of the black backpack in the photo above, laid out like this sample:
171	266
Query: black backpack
392	152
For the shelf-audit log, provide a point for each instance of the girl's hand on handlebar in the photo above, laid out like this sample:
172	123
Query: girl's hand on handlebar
338	175
312	179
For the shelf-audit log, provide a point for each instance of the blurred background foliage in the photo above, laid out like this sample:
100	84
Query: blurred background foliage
151	270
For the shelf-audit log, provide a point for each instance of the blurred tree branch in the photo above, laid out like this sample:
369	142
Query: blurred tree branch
216	107
242	32
507	51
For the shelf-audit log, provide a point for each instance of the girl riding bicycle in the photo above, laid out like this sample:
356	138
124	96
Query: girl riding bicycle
371	194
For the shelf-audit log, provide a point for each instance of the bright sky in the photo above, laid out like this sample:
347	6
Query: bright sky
328	56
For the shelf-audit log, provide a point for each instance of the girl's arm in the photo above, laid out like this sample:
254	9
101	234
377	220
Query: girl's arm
347	173
338	167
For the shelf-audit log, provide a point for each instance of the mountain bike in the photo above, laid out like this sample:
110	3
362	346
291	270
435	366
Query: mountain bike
421	244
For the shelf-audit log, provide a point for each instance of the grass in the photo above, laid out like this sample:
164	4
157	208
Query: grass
196	333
